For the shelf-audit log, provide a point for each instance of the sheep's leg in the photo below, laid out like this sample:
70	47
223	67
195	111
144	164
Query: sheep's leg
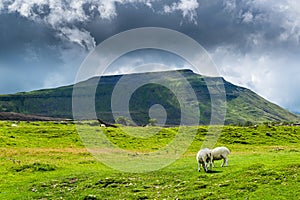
223	162
204	165
210	166
211	162
199	166
223	158
226	161
207	165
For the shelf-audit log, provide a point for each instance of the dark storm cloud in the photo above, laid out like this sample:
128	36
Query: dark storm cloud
30	54
25	53
209	22
17	34
215	24
254	43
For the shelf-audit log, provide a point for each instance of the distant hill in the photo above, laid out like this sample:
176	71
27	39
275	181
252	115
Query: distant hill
243	105
25	117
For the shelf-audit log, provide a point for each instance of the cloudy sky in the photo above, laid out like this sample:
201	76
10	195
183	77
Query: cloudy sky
254	43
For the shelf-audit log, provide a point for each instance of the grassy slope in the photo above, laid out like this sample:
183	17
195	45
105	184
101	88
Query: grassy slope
248	106
48	161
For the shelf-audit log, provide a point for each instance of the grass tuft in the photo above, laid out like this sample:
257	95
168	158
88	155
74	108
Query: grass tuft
35	167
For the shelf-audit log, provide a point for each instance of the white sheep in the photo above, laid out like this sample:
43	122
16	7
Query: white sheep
203	158
219	153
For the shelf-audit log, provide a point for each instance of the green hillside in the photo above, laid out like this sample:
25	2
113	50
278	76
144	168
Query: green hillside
243	105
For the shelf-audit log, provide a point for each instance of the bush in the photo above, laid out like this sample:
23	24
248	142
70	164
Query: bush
152	122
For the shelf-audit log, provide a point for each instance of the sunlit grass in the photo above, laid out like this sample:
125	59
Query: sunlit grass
48	161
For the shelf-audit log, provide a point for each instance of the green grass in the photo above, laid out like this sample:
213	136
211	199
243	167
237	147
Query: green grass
45	160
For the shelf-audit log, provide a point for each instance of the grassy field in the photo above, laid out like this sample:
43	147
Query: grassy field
47	160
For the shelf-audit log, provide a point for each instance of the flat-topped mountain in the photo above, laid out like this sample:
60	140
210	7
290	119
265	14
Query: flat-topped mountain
242	104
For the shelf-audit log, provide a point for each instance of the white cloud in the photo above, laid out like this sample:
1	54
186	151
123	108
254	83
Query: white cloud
284	15
107	9
81	37
288	15
187	7
270	74
229	5
247	17
146	61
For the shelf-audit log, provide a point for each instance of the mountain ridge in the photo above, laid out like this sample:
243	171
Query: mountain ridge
243	105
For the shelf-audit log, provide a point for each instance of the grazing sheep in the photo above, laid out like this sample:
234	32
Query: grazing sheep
203	158
219	153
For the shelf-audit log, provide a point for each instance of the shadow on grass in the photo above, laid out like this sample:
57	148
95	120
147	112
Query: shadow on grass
213	172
